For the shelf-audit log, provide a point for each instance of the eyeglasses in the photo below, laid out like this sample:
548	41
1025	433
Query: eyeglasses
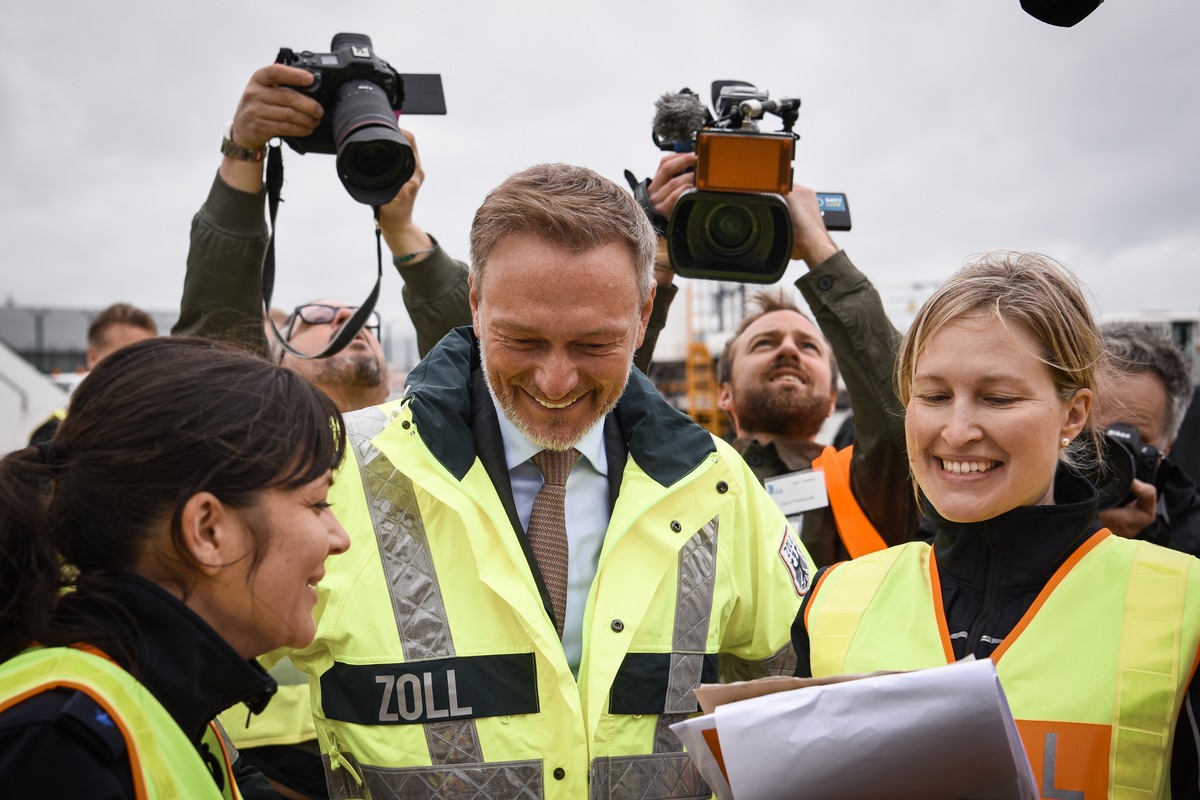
321	314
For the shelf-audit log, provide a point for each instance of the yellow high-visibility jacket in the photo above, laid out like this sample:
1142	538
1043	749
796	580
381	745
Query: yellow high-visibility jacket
437	668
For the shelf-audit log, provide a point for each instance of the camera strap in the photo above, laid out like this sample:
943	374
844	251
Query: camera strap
361	315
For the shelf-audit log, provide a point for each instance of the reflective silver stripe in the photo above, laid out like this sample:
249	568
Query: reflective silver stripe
521	780
693	610
340	782
669	773
664	775
781	662
411	578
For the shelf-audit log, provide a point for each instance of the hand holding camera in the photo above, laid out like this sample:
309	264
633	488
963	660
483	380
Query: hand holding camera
269	108
362	97
673	178
1136	515
1125	480
811	242
403	236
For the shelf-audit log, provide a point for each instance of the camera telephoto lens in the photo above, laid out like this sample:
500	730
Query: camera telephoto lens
370	159
373	157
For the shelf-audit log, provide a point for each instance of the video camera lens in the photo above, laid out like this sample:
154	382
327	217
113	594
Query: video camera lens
373	157
730	230
728	236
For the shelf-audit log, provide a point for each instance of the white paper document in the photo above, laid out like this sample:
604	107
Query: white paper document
945	732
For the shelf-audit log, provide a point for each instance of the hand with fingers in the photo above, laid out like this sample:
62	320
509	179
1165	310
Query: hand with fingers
675	176
269	108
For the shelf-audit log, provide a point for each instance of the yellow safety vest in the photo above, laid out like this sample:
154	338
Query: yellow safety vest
1095	672
164	763
437	669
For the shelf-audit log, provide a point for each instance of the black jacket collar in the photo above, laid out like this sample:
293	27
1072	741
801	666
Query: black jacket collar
175	654
1023	547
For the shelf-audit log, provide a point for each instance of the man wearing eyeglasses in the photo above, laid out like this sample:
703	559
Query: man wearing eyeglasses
357	375
223	291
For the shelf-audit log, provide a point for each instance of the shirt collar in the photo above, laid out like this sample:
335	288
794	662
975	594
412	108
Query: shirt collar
518	449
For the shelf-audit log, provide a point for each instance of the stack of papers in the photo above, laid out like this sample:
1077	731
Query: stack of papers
944	732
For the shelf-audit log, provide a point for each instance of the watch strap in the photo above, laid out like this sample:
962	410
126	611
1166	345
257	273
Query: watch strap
234	150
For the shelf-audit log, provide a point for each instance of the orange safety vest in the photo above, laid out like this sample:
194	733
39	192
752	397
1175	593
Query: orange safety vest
856	531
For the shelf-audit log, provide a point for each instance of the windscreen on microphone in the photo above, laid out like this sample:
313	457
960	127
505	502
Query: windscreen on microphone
677	117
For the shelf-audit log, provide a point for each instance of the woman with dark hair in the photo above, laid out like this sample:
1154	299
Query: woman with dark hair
172	531
1095	637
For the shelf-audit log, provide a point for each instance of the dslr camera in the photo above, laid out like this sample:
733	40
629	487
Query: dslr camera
1125	457
734	225
362	96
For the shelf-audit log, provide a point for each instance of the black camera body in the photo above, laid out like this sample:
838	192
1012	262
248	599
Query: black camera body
1126	458
362	96
735	225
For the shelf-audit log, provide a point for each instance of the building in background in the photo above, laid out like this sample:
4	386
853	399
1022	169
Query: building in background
705	314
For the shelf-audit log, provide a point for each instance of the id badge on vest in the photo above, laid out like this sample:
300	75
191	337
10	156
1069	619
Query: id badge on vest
797	493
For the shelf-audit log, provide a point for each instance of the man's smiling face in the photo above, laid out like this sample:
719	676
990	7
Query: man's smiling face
558	329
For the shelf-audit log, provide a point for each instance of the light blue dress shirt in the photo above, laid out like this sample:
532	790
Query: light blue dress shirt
587	516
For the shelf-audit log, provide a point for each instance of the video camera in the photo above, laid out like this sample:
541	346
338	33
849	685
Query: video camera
735	224
1125	457
362	96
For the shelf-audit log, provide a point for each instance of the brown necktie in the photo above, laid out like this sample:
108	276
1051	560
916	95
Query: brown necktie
548	527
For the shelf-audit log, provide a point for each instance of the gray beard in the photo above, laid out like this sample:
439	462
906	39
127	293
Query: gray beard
510	413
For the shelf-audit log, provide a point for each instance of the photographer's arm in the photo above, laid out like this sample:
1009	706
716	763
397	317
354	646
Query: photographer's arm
664	295
850	313
435	285
671	180
222	291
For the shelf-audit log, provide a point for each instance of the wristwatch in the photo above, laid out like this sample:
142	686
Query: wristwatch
234	150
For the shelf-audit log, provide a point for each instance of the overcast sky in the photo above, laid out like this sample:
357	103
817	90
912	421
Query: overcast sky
954	127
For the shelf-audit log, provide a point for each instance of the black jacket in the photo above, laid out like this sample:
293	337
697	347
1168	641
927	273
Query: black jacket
53	744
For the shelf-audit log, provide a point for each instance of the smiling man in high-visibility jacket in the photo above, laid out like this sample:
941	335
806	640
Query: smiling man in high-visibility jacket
452	657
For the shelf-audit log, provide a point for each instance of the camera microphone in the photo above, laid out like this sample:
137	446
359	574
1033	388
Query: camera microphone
677	117
754	109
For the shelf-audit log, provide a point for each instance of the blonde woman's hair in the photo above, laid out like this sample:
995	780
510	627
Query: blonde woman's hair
1040	295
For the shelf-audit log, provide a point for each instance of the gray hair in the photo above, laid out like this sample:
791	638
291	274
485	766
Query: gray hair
1140	349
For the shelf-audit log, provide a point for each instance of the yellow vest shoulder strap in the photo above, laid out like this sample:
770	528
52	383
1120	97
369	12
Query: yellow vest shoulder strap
163	762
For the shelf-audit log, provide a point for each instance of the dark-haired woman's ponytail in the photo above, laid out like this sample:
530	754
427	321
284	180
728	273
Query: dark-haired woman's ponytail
31	576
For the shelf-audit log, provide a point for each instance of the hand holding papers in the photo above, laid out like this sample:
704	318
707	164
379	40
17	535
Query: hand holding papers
944	732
